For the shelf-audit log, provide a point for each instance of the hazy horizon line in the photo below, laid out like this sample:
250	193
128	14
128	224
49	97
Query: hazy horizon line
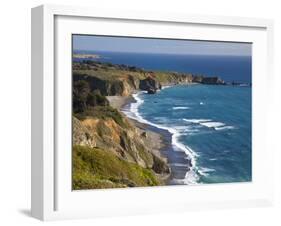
161	53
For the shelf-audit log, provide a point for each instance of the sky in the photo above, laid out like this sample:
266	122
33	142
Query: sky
159	46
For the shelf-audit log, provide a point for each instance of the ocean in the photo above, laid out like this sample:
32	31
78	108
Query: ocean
209	125
229	68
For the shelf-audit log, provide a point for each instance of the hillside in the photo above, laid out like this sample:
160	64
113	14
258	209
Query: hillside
104	138
107	146
121	80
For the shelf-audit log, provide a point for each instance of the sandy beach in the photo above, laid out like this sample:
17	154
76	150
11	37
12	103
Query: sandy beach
119	101
159	141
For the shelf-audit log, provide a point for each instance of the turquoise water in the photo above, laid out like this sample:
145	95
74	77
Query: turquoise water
210	124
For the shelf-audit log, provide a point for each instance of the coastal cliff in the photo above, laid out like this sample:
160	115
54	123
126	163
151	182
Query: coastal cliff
110	150
124	141
122	80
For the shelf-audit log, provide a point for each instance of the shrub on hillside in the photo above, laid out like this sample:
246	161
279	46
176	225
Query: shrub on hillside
84	97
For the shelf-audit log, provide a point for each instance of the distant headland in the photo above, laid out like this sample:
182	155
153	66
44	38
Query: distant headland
86	56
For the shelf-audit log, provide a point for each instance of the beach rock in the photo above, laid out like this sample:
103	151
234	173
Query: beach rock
150	85
189	163
160	166
207	80
197	78
151	91
144	134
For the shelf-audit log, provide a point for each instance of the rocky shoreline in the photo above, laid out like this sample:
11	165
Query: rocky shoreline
109	148
122	80
156	141
160	141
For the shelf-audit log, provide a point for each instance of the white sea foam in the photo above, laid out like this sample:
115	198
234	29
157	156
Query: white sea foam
191	177
184	148
209	123
205	171
178	164
133	111
196	120
180	108
244	84
212	124
213	159
165	87
224	127
182	129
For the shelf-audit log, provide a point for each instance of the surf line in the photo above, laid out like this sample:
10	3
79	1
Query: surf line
132	111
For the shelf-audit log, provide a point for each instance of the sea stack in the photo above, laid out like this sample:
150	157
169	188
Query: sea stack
150	85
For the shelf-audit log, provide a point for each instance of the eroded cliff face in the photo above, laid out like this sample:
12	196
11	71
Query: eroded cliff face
127	143
213	81
122	80
118	87
126	85
118	80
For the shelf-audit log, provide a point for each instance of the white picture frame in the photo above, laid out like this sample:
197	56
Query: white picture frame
52	197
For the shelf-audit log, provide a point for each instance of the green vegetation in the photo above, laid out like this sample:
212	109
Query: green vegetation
119	157
84	98
164	77
111	72
97	168
92	103
103	112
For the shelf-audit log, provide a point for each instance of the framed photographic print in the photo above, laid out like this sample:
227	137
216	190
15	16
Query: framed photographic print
137	112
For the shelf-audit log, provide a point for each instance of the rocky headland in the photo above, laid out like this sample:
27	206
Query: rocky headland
122	80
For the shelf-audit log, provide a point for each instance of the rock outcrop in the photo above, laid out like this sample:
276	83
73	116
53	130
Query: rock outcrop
207	80
212	81
150	85
106	87
197	78
127	143
122	80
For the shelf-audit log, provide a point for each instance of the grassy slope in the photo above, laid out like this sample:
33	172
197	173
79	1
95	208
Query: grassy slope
103	112
109	74
97	168
112	73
